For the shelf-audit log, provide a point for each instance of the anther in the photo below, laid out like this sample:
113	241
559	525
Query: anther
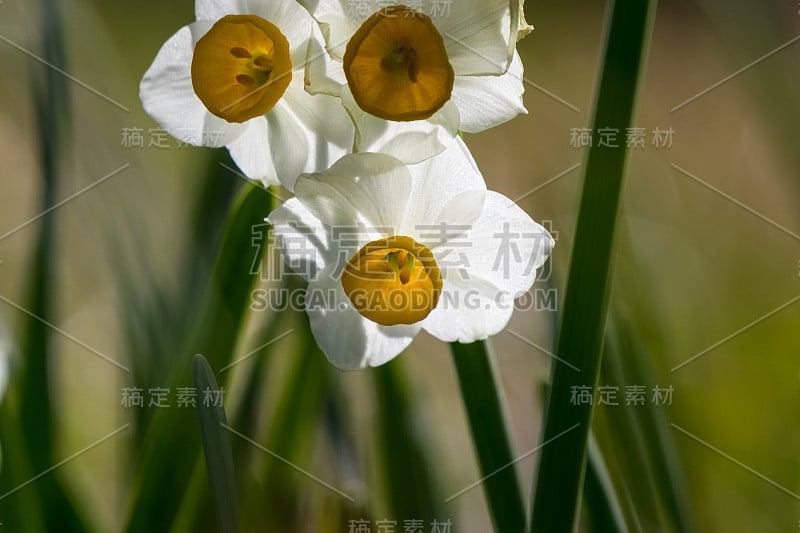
238	51
244	79
405	276
262	62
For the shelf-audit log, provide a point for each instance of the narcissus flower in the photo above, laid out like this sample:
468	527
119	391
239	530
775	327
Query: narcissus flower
417	75
235	78
389	250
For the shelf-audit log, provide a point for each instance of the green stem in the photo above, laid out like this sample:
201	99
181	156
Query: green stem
559	484
483	400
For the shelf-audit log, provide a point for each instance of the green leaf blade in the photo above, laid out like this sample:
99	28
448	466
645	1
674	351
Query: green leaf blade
560	477
216	447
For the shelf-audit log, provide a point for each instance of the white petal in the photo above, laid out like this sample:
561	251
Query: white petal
302	133
252	154
478	36
168	96
339	20
371	190
302	239
323	74
485	270
468	310
349	340
328	131
288	140
291	18
216	9
457	216
486	101
447	235
410	142
504	247
438	180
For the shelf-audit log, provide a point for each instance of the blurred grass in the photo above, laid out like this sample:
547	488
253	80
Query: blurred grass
170	451
293	430
36	418
650	463
408	476
157	315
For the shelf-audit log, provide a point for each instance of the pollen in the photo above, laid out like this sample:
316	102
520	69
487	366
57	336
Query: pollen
397	66
241	67
393	281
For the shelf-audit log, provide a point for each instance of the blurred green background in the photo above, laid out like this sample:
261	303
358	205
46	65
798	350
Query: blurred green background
707	245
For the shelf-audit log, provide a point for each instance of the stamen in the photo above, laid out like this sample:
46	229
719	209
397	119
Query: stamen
412	66
402	257
405	276
393	281
233	63
244	79
242	53
397	65
262	61
403	58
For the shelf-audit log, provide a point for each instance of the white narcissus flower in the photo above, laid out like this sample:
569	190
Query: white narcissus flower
389	250
420	72
235	78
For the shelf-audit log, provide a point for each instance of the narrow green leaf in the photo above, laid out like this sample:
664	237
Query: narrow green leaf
36	419
602	504
158	310
247	413
410	486
293	431
21	510
170	450
339	432
216	448
560	476
291	434
195	513
651	458
484	403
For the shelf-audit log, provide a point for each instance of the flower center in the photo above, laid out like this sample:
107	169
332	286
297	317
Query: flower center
397	66
241	67
393	281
